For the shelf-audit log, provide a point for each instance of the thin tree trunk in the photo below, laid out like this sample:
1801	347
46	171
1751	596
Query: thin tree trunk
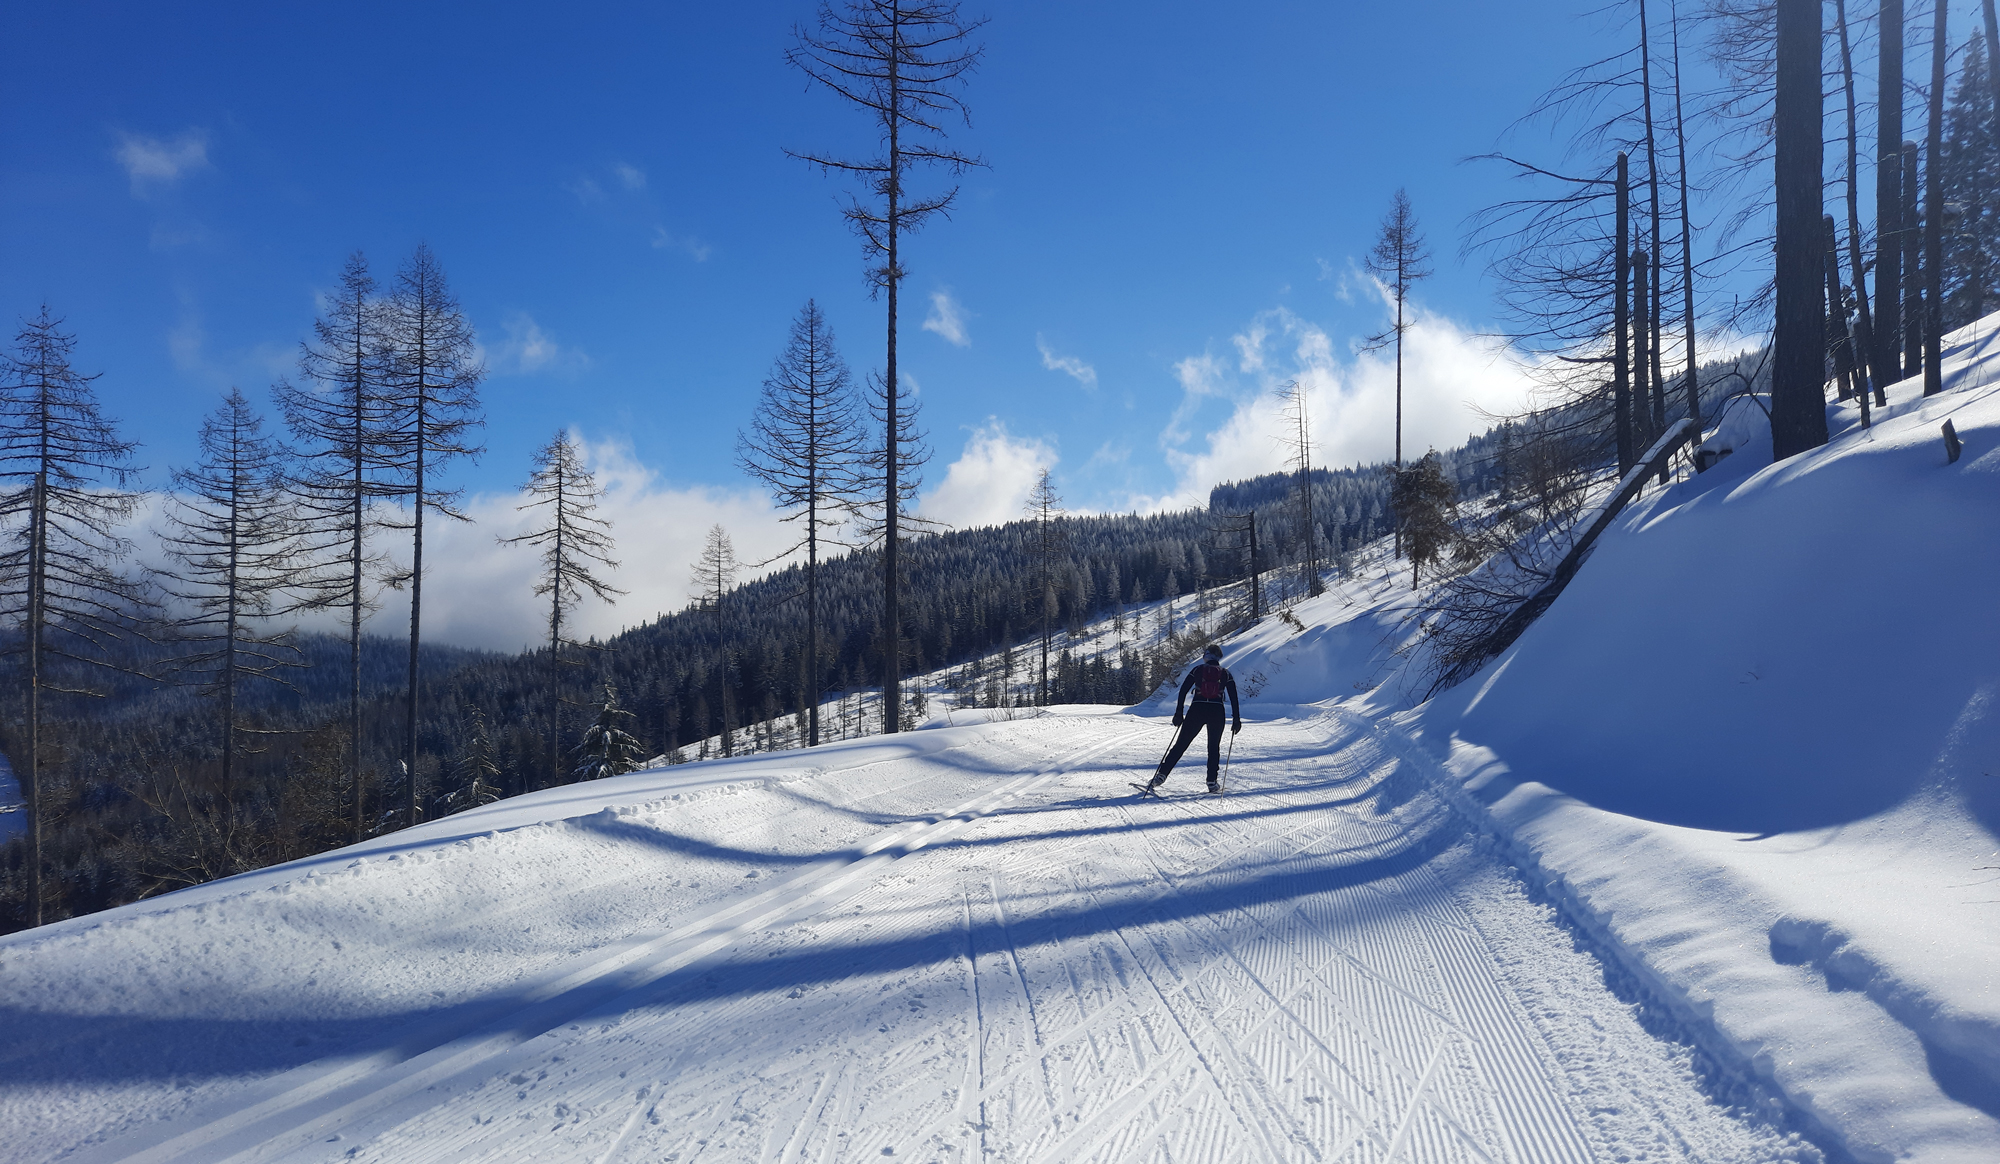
1869	357
1687	233
1621	358
1889	198
1657	389
1836	318
1913	249
1993	60
892	627
1798	366
416	617
555	643
360	512
1641	362
37	537
1934	213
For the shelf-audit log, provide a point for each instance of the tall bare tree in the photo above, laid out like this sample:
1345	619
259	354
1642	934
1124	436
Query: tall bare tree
804	442
1798	365
714	574
575	544
339	419
903	63
1934	171
1868	357
64	471
433	396
1889	223
232	546
1399	258
1687	227
1044	508
1298	439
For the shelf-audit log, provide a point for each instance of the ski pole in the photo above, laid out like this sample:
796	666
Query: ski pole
1227	757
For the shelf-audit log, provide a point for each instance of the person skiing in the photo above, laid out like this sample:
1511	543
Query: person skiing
1208	682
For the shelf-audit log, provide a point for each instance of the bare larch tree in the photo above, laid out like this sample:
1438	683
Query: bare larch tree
433	396
575	544
904	64
339	419
714	573
232	551
803	443
64	471
1044	509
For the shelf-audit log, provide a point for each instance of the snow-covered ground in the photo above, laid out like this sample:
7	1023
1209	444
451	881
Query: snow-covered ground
1702	868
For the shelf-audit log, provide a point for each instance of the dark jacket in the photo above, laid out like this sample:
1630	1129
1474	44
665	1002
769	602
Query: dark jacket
1228	684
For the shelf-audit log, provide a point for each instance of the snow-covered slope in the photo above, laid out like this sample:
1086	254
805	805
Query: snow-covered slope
1756	744
1701	869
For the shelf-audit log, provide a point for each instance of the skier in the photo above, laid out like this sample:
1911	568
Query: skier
1208	682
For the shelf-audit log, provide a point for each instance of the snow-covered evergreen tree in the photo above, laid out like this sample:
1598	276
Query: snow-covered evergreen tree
607	749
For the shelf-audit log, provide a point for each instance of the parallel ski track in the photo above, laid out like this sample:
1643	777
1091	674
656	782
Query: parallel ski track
1371	1002
312	1102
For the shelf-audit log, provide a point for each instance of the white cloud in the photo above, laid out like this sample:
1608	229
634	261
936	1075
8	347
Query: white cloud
989	482
694	247
1070	366
154	162
528	348
586	190
480	593
631	177
947	318
1451	379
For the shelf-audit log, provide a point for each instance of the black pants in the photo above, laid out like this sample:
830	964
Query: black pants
1199	715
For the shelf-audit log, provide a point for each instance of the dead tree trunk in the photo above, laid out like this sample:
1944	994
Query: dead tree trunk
1798	365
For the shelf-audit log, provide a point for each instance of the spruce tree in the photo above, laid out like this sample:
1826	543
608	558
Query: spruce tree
608	749
575	542
714	574
1424	501
65	473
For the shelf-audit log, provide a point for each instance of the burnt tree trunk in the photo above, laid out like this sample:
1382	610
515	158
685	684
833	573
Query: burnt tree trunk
1798	365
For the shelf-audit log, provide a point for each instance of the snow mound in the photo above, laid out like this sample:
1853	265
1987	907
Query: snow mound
1755	743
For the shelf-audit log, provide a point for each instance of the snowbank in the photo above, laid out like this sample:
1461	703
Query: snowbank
1755	743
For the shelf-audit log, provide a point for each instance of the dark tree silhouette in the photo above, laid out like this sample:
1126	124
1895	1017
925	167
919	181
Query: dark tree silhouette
1798	364
339	420
1889	223
65	471
804	443
575	543
1934	209
1868	357
714	574
1044	509
232	550
1399	258
904	65
1424	500
433	396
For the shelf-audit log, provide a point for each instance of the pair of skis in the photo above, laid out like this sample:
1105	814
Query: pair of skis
1221	787
1146	790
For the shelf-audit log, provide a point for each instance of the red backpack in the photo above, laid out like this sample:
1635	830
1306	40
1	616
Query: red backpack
1208	683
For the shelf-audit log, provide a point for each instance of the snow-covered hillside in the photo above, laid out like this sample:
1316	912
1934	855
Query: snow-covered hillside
1702	868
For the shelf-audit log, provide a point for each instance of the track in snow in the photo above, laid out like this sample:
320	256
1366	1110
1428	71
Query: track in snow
1051	971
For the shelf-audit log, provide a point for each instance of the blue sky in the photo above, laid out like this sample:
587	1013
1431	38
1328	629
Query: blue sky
1177	201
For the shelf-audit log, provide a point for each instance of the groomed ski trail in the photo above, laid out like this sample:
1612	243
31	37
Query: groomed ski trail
1052	970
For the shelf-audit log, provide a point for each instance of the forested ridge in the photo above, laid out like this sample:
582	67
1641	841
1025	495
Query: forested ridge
135	804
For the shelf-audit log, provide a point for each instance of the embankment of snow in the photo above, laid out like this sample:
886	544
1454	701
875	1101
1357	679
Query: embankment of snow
1756	745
